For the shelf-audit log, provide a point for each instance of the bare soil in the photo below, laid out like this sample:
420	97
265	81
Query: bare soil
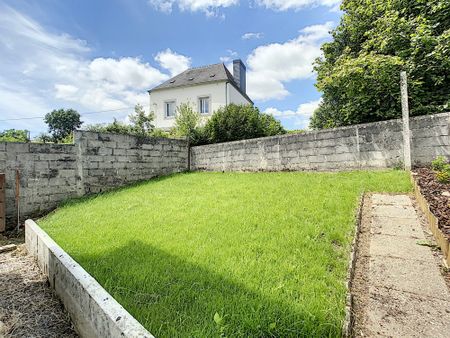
435	193
28	307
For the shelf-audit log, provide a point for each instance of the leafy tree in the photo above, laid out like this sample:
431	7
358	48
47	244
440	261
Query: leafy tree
116	127
43	138
14	135
142	122
187	122
239	122
62	122
375	40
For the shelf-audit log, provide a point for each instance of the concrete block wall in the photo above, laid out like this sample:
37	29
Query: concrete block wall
365	146
52	173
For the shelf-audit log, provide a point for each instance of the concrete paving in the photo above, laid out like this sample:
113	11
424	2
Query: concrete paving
408	296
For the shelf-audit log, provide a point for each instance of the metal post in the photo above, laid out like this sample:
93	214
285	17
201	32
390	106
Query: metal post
405	117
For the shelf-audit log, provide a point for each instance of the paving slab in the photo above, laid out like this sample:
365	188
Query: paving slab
398	200
398	314
406	248
401	227
402	211
418	277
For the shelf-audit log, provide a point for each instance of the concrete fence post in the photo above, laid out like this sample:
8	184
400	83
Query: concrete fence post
405	117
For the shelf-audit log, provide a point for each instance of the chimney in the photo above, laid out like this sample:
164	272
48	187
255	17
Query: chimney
239	75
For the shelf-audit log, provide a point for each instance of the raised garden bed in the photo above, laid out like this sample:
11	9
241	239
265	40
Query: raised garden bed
434	200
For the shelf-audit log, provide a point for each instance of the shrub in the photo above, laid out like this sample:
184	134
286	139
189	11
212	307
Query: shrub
187	122
443	176
439	163
240	122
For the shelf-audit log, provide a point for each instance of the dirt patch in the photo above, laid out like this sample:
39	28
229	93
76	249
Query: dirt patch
360	286
438	196
28	307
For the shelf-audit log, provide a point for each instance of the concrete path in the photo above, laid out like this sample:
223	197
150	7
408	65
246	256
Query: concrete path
407	295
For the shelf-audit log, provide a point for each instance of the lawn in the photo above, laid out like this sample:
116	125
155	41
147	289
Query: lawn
231	254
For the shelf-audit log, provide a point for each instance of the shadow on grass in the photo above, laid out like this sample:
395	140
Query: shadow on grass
172	297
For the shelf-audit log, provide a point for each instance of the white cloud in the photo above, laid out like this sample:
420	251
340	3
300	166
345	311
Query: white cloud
248	36
173	62
283	5
301	116
272	65
42	70
228	58
209	7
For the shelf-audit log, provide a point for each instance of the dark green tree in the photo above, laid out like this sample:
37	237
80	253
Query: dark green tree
239	122
376	39
62	122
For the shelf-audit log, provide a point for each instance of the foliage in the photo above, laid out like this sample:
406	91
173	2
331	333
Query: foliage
14	135
443	176
439	163
187	122
177	250
62	122
442	169
375	40
157	132
239	122
115	127
43	138
141	123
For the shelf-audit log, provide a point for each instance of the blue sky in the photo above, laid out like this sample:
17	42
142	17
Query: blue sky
104	55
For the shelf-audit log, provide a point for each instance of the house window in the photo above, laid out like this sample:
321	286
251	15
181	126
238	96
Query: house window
203	104
169	108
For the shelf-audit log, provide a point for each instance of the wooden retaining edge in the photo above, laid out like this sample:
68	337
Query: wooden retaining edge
433	222
347	327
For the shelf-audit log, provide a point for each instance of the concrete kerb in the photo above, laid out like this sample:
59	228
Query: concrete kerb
94	312
347	327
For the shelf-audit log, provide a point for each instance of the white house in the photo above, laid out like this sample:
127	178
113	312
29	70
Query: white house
206	88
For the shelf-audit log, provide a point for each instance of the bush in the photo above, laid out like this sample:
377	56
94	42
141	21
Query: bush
443	176
439	163
240	122
187	123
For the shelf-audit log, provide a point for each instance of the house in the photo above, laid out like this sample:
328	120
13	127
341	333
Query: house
206	88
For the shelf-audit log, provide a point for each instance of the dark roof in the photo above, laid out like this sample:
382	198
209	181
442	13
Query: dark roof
193	76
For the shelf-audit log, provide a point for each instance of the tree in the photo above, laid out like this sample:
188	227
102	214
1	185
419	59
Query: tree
116	127
239	122
62	122
14	135
359	71
187	122
142	122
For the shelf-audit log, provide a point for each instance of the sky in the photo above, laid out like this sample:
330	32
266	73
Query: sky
100	57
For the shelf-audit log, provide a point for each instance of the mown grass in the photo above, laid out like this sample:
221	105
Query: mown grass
267	252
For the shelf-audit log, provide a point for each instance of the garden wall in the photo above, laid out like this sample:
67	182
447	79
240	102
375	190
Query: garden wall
365	146
52	173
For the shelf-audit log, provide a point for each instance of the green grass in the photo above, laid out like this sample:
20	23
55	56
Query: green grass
267	252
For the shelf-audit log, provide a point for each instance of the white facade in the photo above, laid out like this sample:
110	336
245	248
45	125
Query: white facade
214	94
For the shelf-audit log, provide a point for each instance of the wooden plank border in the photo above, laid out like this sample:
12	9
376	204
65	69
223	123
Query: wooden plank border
2	203
433	222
